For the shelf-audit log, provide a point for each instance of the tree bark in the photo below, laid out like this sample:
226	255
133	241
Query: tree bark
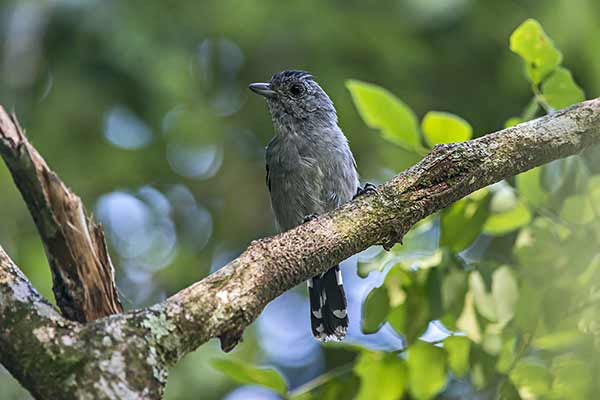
126	355
82	273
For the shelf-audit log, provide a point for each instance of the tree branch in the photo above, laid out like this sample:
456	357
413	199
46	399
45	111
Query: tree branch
224	303
82	272
95	360
55	358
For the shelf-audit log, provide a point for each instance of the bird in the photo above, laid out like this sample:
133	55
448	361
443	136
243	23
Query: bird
310	170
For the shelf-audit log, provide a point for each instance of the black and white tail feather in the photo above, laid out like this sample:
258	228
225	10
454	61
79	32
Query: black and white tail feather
328	314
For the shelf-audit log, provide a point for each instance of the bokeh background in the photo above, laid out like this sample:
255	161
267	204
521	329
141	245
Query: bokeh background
142	108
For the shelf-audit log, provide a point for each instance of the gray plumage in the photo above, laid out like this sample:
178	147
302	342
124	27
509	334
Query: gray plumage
310	170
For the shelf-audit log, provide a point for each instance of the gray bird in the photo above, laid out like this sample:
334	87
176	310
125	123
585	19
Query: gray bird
310	170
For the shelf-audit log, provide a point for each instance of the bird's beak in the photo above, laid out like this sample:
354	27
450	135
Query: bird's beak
264	89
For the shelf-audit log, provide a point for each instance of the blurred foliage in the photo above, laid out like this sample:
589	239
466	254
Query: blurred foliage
142	108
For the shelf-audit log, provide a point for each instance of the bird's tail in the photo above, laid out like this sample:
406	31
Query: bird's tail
328	315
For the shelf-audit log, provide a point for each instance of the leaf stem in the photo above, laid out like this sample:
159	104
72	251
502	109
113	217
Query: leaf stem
321	380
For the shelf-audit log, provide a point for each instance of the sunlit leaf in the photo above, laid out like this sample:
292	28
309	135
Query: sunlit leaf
430	261
512	121
499	304
504	198
578	209
591	273
467	322
560	90
375	310
458	348
442	127
248	374
427	370
532	376
593	188
538	247
381	110
557	340
589	322
382	376
535	47
573	378
505	292
508	221
483	300
492	338
529	185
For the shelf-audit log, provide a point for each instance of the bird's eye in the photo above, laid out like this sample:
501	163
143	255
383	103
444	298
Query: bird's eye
296	89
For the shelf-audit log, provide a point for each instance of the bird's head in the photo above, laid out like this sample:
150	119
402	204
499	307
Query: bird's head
294	96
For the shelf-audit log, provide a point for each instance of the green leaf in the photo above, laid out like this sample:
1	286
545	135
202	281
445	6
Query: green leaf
593	188
458	348
531	375
528	307
453	291
560	90
483	300
529	185
375	310
499	304
506	293
454	288
467	322
557	340
442	127
512	121
538	247
397	318
507	355
573	378
381	110
463	221
504	198
382	376
246	373
407	294
507	392
508	221
578	210
535	47
427	370
334	384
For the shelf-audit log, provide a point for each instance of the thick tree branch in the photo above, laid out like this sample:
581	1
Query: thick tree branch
55	358
28	322
125	355
82	272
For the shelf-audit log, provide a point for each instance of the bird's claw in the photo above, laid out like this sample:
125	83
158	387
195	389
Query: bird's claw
309	217
368	188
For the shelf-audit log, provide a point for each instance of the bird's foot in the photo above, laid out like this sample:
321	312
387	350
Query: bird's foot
309	217
368	188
